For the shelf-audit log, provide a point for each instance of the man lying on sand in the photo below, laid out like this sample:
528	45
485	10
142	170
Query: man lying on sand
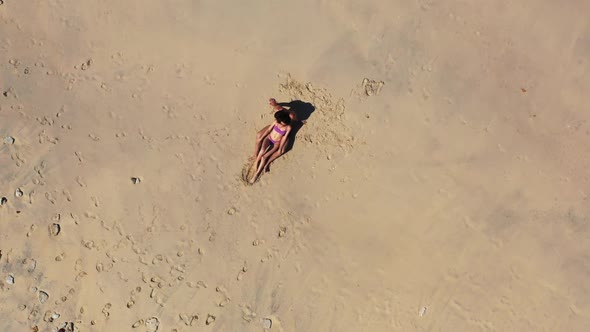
274	142
260	134
271	130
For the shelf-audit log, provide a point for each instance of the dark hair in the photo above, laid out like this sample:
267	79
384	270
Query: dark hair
283	116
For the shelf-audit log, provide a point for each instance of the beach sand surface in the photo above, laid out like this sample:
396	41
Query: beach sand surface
440	183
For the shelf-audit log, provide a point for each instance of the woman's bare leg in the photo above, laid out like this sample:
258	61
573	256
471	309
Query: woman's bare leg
259	138
265	146
263	162
277	153
271	159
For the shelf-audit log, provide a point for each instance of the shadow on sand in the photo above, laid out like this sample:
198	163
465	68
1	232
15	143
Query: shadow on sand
303	111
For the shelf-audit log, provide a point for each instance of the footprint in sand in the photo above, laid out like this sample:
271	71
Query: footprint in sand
67	194
29	264
210	319
43	296
67	327
54	229
247	314
105	310
242	271
371	87
32	229
50	197
282	231
257	243
79	156
18	159
85	65
226	299
50	316
80	181
189	320
422	312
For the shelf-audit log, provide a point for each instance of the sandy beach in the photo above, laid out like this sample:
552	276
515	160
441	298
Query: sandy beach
439	183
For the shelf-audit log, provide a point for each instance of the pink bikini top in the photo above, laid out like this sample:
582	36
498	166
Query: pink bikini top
281	132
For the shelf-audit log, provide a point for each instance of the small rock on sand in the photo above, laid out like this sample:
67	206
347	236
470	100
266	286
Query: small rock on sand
152	324
10	279
9	140
266	323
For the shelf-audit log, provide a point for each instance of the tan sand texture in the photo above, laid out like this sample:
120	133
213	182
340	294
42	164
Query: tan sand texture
441	183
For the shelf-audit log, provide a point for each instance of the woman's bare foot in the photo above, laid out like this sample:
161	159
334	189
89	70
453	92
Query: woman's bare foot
253	179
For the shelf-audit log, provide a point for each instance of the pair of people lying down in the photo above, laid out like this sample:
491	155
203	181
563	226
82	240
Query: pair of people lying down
272	140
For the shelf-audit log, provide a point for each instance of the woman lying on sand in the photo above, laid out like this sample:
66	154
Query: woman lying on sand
260	135
273	142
